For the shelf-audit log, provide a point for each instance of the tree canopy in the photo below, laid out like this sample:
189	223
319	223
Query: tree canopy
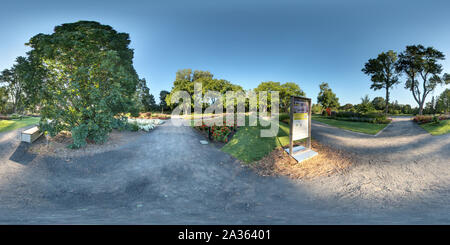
326	97
185	80
379	103
146	99
383	73
418	62
89	79
162	100
443	102
286	90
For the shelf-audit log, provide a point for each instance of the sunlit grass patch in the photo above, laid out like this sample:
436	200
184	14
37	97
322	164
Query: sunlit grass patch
361	127
437	129
8	125
247	144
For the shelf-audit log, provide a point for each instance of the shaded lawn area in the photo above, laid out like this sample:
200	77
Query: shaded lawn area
437	129
247	145
8	125
361	127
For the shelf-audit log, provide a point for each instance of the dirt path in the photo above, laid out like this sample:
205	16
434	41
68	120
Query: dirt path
167	177
402	166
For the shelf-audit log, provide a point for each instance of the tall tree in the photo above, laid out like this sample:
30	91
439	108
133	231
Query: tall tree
379	103
285	90
443	102
90	78
15	80
383	73
147	99
3	98
162	100
326	97
365	106
418	62
185	80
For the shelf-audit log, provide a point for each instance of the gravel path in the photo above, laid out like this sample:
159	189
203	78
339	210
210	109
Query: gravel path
167	177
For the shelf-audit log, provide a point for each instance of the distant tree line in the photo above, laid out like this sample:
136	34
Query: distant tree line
186	78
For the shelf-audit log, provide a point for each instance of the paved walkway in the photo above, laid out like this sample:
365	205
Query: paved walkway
167	177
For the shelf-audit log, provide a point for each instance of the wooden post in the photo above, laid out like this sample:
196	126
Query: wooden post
308	141
291	122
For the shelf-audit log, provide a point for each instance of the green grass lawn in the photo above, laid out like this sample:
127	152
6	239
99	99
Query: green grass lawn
361	127
8	125
437	129
248	146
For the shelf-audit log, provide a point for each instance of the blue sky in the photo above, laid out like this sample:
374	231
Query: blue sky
247	42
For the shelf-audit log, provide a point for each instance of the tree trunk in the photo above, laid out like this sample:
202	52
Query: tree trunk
420	108
387	102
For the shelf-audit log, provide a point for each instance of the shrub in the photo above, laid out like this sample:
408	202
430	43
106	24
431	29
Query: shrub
375	117
15	116
435	120
348	114
79	135
422	119
284	116
133	127
218	133
120	123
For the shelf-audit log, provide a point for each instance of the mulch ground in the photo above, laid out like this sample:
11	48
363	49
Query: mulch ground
327	162
58	145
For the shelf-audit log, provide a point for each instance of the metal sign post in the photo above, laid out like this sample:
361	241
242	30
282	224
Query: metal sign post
300	124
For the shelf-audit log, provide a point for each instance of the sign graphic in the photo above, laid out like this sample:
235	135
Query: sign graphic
300	123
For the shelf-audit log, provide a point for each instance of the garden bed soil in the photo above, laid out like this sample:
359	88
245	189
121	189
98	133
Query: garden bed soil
326	163
216	144
57	146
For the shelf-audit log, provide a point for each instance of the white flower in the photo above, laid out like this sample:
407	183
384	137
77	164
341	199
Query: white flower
145	124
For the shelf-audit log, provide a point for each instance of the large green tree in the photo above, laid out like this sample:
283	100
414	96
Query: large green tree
285	90
15	80
326	97
420	63
147	100
379	103
443	102
365	106
3	98
162	100
185	80
383	73
89	79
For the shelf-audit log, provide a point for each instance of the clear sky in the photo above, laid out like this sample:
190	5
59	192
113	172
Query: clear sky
247	42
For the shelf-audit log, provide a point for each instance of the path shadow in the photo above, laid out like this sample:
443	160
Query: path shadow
22	155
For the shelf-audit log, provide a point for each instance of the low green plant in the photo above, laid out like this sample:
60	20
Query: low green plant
133	127
435	120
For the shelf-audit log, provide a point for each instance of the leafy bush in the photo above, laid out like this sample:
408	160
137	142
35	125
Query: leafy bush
283	117
435	120
15	116
79	135
88	78
120	123
374	117
348	114
218	133
134	127
422	119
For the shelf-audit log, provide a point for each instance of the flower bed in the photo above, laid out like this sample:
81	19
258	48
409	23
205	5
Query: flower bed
149	115
420	119
218	133
144	124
